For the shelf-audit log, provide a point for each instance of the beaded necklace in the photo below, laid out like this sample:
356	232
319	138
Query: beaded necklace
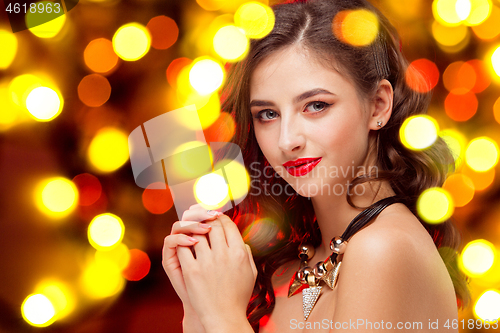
308	279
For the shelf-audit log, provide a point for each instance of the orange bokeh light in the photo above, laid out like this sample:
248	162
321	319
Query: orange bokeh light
461	188
222	130
481	180
89	188
94	90
490	28
157	201
138	266
174	69
99	55
496	110
461	107
459	78
164	32
483	79
422	75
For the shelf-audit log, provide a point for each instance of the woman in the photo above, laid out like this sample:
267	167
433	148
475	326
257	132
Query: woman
325	115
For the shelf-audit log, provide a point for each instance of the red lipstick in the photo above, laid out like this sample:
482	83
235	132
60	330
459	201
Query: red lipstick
301	166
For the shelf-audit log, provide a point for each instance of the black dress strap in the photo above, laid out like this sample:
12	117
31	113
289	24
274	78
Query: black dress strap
364	218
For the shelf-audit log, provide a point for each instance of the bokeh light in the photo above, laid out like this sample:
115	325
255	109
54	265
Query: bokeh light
496	110
44	103
118	255
106	231
435	205
94	90
487	306
38	310
99	56
480	10
89	188
164	32
482	154
230	43
477	257
222	130
101	279
461	189
445	12
461	107
49	29
490	28
138	266
419	132
174	69
56	197
483	79
481	180
59	294
156	200
422	75
256	19
237	178
211	191
459	78
456	142
108	150
356	27
131	41
9	48
261	235
206	75
449	36
21	86
495	60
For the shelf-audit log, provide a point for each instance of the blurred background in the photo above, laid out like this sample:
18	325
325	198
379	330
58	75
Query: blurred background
80	242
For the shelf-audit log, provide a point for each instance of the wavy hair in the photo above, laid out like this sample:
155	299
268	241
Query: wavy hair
309	24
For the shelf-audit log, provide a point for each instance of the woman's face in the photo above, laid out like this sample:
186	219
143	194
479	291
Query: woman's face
302	110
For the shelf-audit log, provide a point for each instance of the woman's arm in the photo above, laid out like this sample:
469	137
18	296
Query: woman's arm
391	277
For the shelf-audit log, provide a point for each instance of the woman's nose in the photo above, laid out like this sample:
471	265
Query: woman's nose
291	136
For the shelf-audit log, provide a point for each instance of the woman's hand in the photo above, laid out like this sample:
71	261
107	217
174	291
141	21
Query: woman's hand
180	236
219	276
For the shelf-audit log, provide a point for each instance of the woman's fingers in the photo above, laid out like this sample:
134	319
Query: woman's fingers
190	227
252	262
231	232
198	213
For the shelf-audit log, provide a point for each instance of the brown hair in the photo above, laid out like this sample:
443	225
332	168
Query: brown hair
309	24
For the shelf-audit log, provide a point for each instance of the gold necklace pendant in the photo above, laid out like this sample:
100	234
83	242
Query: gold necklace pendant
310	295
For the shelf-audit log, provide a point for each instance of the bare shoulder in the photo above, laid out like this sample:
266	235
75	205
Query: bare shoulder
392	271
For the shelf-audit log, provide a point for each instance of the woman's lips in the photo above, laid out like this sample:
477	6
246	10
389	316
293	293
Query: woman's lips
301	167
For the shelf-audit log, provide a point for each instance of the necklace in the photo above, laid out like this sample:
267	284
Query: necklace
308	279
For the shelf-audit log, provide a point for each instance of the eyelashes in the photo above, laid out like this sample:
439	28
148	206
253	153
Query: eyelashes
268	115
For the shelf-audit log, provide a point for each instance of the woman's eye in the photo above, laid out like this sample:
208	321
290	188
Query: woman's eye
266	115
317	106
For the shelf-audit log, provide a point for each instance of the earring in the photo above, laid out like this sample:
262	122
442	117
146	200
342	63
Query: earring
379	123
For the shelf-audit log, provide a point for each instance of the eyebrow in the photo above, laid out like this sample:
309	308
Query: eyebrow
297	99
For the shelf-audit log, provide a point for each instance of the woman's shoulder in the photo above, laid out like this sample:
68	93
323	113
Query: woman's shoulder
394	263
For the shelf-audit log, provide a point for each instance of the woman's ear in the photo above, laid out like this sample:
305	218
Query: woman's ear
381	106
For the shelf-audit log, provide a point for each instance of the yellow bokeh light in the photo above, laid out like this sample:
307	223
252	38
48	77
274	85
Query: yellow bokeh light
131	41
230	43
119	256
211	190
237	178
206	75
59	295
490	28
21	86
56	197
445	11
105	231
477	257
463	8
456	142
461	188
419	132
9	48
256	19
356	27
480	11
482	154
435	205
48	29
102	279
38	310
495	61
449	36
481	180
108	150
487	306
10	113
188	163
44	103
